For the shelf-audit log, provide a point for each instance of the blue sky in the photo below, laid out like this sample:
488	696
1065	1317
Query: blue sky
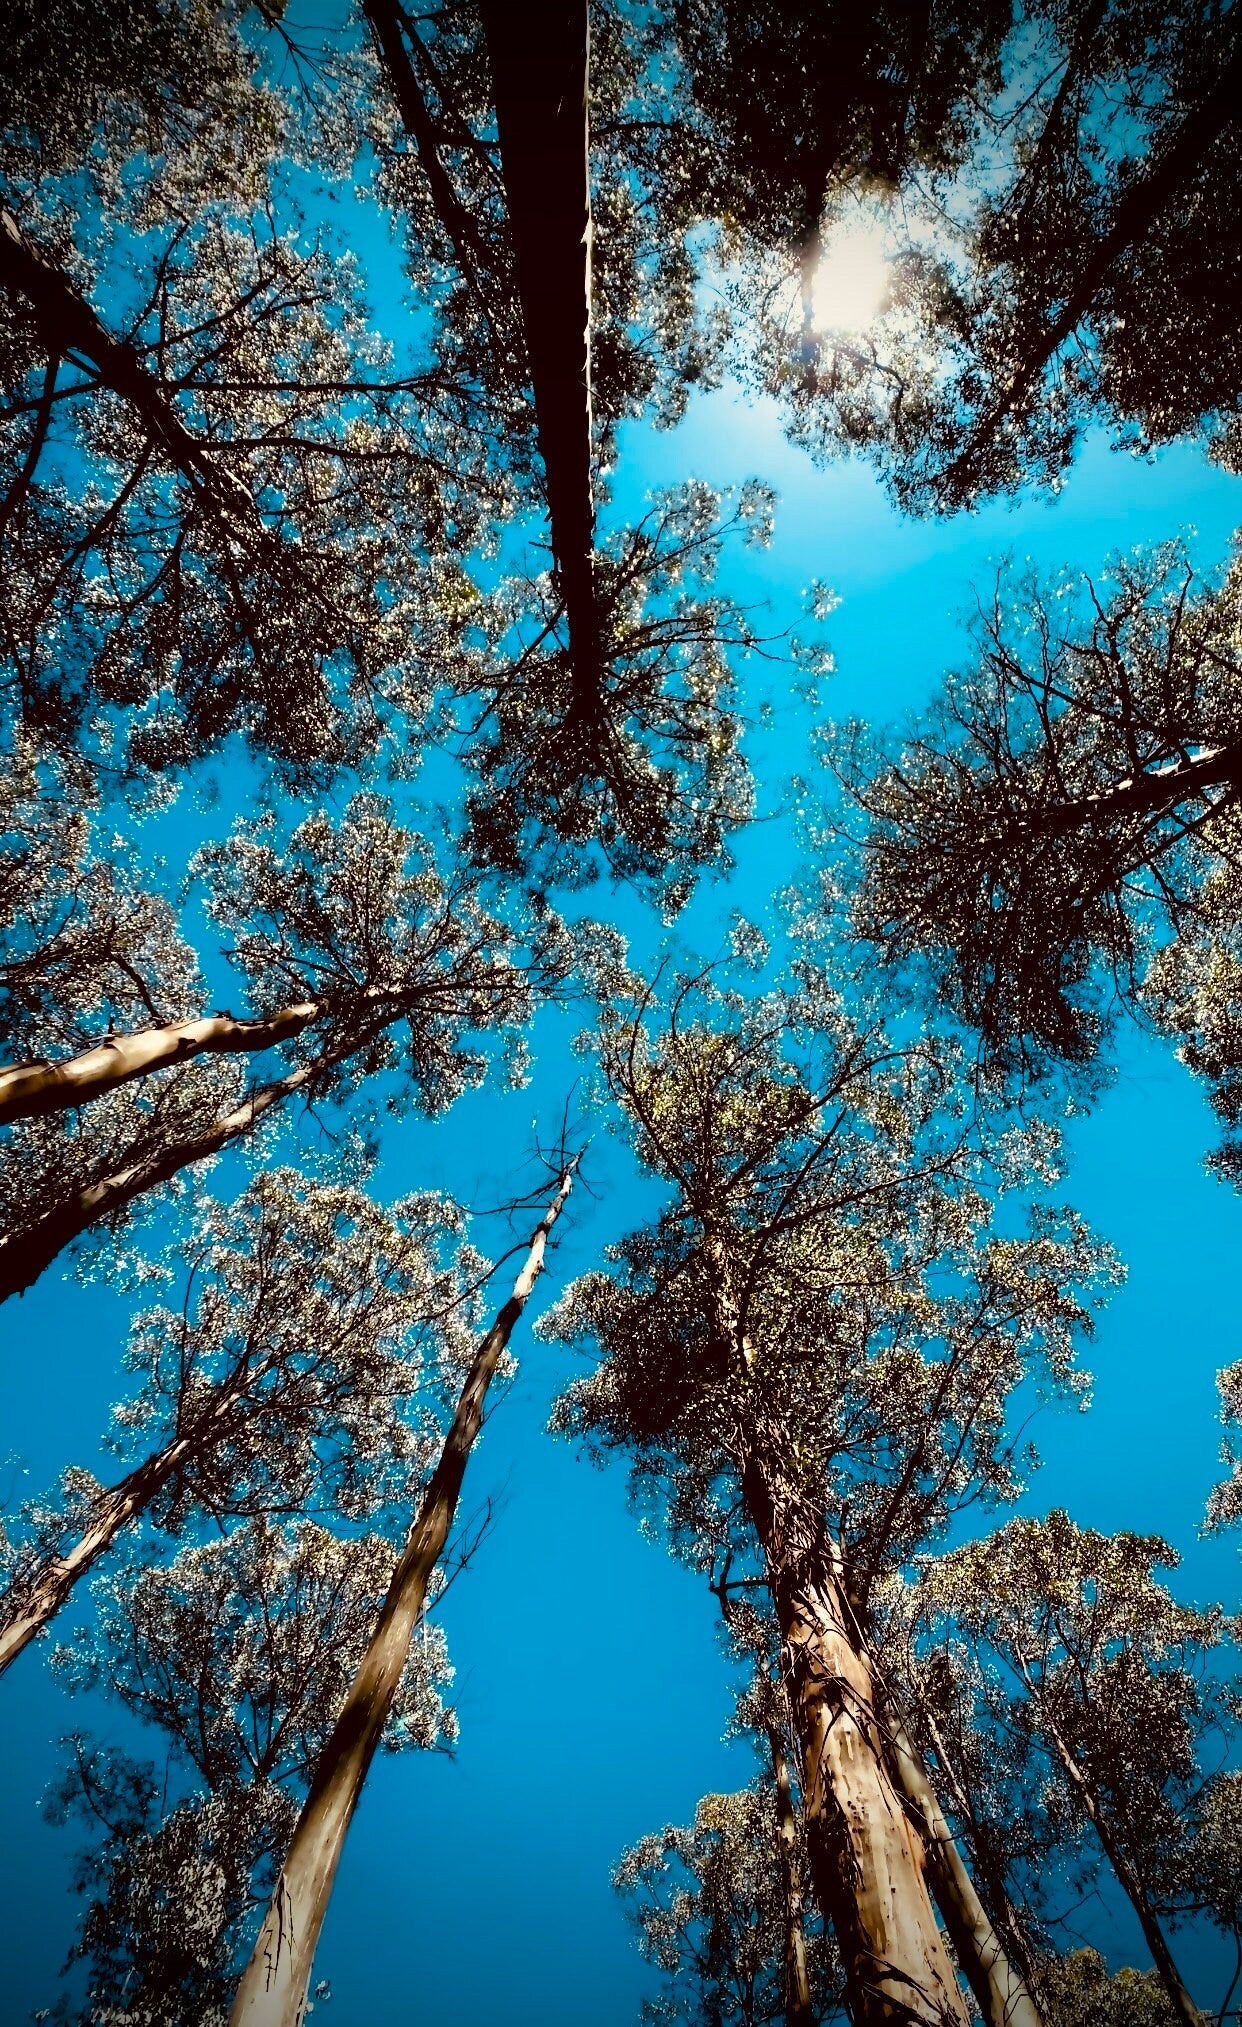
591	1690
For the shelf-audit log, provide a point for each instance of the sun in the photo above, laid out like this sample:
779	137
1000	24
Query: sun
852	279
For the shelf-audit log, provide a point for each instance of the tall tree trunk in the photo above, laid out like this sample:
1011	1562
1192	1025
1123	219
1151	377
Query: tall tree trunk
1004	1998
272	1992
868	1865
34	1599
1127	1878
993	1886
26	1252
539	72
799	2009
33	1089
67	324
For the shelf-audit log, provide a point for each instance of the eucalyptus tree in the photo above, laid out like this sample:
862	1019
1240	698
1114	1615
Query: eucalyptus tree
1063	831
237	1656
290	1377
1073	1642
540	90
709	1906
212	460
359	957
822	1330
1052	190
1023	1850
1083	1992
273	1987
653	783
606	705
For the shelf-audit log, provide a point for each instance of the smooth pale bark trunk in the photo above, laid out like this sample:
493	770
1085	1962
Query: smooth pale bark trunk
867	1861
799	2010
272	1992
67	324
1131	1885
993	1886
32	1090
539	76
1003	1997
45	1589
25	1254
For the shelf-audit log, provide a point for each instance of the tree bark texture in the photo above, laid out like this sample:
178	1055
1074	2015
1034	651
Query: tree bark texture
41	1593
799	2009
67	324
25	1253
272	1992
1003	1997
539	68
867	1860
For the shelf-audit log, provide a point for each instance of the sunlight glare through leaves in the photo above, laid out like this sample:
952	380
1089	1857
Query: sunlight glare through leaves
852	278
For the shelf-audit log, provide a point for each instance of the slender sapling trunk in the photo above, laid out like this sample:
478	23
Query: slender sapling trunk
799	2010
273	1987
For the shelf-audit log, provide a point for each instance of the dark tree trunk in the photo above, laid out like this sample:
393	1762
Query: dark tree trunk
539	66
471	256
67	325
1155	793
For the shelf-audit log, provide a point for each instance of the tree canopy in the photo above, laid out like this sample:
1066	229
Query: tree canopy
429	840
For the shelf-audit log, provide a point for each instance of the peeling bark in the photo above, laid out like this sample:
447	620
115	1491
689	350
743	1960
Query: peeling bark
272	1992
1004	1998
867	1859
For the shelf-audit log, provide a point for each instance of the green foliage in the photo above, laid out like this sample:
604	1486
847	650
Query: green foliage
1067	1638
1060	836
825	1288
1080	1991
709	1904
238	1654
